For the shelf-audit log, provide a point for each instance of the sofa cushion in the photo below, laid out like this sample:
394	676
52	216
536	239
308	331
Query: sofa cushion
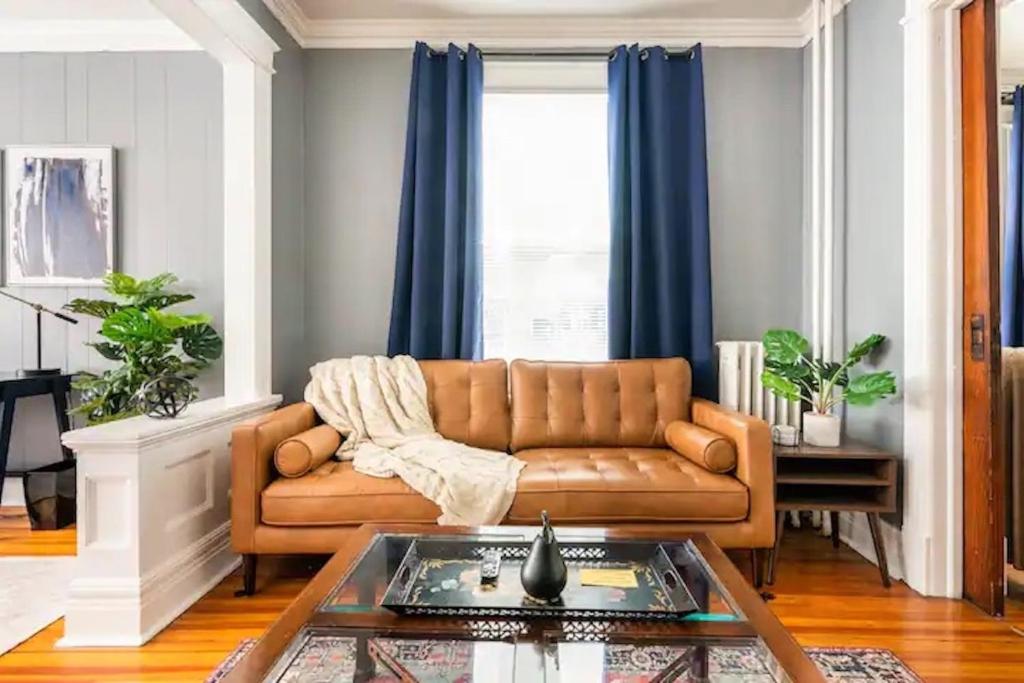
335	494
469	401
304	452
610	485
710	450
617	403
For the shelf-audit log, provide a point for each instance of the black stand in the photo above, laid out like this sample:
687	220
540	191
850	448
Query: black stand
39	370
13	387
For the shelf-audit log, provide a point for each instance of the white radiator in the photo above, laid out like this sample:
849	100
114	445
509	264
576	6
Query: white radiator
740	364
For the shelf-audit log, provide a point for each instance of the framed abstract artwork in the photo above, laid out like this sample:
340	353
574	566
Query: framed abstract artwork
59	215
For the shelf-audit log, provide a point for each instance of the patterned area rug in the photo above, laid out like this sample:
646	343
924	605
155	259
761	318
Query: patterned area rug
840	665
46	580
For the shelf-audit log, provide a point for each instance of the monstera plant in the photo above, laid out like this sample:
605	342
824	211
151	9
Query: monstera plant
792	373
159	351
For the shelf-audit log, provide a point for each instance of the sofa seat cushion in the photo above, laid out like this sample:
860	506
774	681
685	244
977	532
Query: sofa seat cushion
611	485
335	494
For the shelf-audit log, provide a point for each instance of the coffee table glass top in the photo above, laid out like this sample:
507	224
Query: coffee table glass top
338	630
363	589
340	656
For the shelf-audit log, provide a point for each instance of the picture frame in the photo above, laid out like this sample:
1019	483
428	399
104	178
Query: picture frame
59	215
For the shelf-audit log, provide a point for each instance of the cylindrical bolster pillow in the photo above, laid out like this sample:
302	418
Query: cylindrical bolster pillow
703	447
306	451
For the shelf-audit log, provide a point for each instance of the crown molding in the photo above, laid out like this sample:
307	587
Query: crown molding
552	32
807	18
291	17
115	35
541	31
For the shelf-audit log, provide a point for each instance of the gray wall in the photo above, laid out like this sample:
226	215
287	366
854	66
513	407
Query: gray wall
755	121
874	201
289	309
356	103
162	111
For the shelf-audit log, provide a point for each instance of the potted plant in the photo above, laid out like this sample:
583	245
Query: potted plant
160	352
792	374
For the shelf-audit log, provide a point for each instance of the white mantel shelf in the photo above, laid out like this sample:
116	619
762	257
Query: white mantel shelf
153	520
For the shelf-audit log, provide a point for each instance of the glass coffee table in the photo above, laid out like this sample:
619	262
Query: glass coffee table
337	629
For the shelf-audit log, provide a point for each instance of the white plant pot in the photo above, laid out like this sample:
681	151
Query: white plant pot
821	430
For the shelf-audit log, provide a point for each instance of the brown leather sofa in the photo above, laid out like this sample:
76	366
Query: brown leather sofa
619	444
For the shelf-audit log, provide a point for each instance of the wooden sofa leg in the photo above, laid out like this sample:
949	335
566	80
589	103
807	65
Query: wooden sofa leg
248	576
757	567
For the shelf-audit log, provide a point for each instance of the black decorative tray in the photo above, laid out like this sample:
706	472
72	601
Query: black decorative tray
441	577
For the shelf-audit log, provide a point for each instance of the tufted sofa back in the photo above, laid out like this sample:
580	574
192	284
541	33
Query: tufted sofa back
469	401
610	404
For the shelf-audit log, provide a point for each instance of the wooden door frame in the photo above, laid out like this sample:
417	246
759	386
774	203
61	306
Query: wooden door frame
983	457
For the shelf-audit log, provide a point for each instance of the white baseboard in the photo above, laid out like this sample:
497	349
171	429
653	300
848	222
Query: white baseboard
14	493
855	532
126	613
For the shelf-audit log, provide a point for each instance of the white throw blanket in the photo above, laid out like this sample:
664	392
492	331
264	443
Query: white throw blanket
380	405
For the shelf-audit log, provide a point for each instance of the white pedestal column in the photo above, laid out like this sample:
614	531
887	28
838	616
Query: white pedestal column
153	520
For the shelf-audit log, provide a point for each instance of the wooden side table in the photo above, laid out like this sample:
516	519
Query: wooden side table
852	477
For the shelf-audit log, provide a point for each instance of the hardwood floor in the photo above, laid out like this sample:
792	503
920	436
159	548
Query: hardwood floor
825	597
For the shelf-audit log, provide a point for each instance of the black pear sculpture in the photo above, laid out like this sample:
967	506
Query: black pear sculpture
543	573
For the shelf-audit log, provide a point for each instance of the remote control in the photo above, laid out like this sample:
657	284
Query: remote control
490	567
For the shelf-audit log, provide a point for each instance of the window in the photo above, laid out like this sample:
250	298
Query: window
546	228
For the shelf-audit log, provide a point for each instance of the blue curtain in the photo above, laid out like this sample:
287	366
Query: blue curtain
659	302
436	305
1013	246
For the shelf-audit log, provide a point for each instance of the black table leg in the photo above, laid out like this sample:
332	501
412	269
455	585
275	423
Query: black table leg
876	538
60	407
5	435
834	517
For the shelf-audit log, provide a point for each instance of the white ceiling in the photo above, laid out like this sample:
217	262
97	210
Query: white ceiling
640	9
87	26
78	10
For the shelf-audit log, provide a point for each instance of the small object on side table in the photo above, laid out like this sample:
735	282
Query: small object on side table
543	572
785	435
851	477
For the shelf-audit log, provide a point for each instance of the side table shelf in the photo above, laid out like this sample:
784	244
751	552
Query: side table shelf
849	478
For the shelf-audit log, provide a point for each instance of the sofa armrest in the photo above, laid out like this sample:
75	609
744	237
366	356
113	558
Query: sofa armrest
754	466
252	465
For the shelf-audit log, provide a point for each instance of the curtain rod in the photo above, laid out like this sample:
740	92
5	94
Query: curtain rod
568	55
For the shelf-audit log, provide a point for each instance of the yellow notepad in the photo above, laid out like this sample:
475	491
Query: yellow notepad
612	578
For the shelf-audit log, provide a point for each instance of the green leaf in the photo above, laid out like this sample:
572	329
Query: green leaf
175	321
97	308
161	301
108	350
866	389
201	342
780	386
784	346
132	326
859	351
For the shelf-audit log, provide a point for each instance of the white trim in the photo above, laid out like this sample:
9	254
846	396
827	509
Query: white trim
828	220
291	17
145	432
855	532
543	31
933	299
815	44
224	29
579	32
162	594
117	35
